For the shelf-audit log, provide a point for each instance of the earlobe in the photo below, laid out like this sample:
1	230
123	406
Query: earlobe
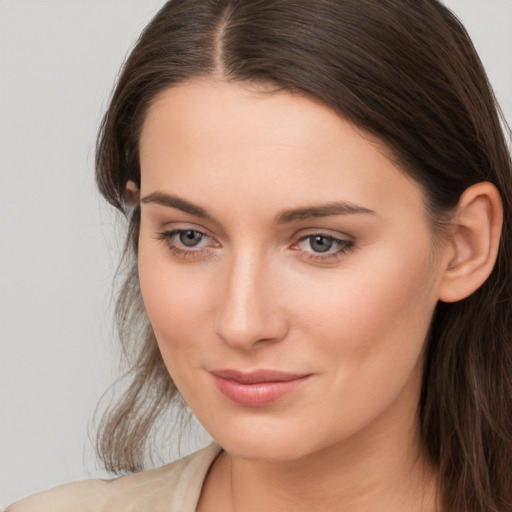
474	242
131	193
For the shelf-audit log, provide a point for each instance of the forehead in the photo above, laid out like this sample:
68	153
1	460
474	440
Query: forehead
221	140
230	114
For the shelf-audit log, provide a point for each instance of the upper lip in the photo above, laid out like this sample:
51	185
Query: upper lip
257	376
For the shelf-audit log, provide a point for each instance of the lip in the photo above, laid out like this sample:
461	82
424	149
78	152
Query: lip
257	388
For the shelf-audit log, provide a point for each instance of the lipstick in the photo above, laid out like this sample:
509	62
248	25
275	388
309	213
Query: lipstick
258	388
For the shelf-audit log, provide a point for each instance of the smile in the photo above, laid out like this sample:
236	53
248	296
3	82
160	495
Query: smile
256	389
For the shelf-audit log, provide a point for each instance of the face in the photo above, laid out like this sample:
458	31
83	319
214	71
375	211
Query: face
287	267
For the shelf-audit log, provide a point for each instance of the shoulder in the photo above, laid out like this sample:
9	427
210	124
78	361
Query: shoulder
178	483
73	496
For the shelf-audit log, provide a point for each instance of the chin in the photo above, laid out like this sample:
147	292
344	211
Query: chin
267	443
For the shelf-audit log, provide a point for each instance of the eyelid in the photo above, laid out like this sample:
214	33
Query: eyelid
328	233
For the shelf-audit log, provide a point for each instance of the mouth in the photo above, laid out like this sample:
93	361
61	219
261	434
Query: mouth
258	388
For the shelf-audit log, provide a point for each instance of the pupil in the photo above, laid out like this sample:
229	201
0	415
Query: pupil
190	238
321	243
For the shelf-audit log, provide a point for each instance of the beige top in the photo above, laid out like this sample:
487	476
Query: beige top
174	487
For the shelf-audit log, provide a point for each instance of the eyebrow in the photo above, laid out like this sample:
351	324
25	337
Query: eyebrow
322	210
284	217
171	201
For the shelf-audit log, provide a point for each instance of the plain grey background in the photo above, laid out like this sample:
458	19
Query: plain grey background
58	245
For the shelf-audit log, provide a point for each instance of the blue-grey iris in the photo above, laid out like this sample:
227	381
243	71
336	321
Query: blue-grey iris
190	238
321	243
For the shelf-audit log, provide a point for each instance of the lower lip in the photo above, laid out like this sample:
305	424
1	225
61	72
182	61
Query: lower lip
257	395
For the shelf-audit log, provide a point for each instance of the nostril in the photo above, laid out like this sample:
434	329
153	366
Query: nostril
249	329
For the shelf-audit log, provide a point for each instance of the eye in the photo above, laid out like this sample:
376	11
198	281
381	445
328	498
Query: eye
323	246
188	242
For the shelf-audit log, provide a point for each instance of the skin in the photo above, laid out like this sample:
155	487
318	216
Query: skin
254	294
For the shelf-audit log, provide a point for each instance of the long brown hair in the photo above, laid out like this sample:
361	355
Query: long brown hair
404	71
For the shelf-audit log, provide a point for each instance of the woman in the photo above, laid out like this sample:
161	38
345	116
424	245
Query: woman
319	201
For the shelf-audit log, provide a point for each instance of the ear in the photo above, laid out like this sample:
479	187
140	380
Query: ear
132	193
474	242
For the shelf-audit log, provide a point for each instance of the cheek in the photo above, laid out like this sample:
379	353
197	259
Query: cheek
176	304
366	332
373	318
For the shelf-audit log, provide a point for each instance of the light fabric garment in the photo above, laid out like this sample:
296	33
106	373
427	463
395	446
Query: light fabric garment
174	487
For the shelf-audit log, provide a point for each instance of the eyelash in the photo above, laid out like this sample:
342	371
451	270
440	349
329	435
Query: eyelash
344	246
167	238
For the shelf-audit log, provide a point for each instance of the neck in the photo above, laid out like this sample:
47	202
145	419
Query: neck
354	475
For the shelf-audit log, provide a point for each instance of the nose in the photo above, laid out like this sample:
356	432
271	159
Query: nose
249	314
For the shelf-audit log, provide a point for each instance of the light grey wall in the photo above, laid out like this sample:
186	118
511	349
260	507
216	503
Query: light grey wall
489	24
58	60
